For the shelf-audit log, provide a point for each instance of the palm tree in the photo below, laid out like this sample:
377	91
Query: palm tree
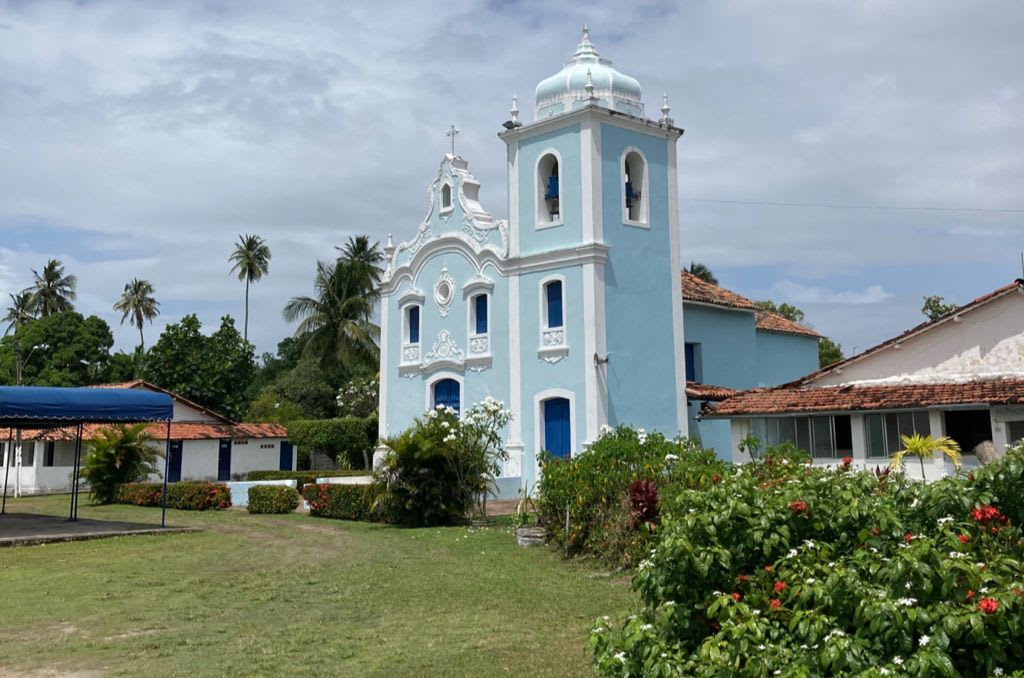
138	302
52	291
336	325
359	252
19	312
703	272
925	447
251	260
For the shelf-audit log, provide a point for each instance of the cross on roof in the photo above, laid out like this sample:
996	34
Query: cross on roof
451	134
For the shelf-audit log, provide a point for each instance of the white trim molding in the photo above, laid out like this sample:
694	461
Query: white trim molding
538	423
645	218
682	419
441	376
539	188
554	345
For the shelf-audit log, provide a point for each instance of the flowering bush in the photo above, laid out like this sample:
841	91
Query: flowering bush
594	489
188	495
783	569
358	397
272	499
342	502
441	469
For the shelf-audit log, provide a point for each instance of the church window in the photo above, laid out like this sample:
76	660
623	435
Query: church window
478	312
446	197
412	323
634	188
548	190
447	394
693	366
553	303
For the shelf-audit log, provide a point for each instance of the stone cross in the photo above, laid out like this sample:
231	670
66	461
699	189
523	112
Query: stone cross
451	134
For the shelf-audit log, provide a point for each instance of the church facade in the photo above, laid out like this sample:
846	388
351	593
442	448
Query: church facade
570	312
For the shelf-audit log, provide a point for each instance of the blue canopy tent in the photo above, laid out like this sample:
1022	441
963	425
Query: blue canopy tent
34	407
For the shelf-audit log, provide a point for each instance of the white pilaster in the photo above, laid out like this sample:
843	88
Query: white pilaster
677	286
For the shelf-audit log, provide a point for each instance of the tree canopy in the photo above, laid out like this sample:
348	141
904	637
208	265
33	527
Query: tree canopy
52	291
703	272
61	349
935	307
138	303
787	311
251	261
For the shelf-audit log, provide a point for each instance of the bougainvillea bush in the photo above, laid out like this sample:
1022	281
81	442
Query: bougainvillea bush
187	495
784	569
613	492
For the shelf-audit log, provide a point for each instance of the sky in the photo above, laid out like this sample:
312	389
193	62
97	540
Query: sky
846	157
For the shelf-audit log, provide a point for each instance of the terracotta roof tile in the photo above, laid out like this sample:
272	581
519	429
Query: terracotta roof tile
695	289
803	399
699	391
180	430
772	322
139	383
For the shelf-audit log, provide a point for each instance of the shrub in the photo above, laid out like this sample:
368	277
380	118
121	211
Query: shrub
187	495
343	502
347	440
304	477
442	467
121	454
594	489
805	571
272	499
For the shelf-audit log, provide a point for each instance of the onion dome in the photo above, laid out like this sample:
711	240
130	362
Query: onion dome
587	79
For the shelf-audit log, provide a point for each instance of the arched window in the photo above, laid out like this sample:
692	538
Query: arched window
553	304
556	424
478	314
412	324
634	187
447	394
548	190
446	197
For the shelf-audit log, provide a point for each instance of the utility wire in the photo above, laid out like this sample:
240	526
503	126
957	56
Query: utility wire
856	207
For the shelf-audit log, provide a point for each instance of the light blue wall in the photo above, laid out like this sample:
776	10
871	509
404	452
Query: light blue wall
566	141
784	357
639	297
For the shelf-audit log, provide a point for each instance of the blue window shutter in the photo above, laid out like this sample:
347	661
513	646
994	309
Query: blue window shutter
481	314
414	324
446	392
554	291
557	439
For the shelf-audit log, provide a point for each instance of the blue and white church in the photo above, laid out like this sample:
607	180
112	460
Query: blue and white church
570	313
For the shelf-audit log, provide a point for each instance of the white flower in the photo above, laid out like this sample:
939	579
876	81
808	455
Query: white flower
907	602
884	671
897	660
997	671
811	580
792	553
945	519
924	640
670	457
761	647
669	603
621	656
809	543
908	586
647	627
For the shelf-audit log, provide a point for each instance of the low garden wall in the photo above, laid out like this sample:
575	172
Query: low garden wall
240	489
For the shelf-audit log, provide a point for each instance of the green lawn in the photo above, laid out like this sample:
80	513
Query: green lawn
294	595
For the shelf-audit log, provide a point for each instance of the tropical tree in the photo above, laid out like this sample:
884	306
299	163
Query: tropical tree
829	352
926	447
121	454
63	349
138	303
52	291
787	311
703	272
251	260
935	307
365	257
336	324
19	312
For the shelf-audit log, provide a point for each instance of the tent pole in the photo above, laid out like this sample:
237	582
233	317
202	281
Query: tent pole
74	476
7	466
167	461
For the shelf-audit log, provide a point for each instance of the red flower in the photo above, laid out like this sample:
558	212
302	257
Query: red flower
987	514
714	625
780	586
847	461
964	538
716	478
736	596
763	485
798	506
767	568
988	605
908	537
775	603
970	594
743	577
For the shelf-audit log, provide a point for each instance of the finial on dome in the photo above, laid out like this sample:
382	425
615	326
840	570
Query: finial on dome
389	251
586	33
515	111
590	85
665	120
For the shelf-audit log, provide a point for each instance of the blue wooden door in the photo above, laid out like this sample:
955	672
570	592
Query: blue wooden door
174	463
285	463
224	461
557	439
446	392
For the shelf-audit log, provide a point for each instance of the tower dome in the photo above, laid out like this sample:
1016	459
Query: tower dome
588	78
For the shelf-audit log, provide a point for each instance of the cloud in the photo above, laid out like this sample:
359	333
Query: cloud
796	293
142	138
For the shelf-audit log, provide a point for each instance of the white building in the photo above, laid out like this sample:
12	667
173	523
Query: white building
961	376
204	446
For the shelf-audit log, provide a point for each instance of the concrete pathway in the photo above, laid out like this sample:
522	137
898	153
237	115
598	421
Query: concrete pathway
23	529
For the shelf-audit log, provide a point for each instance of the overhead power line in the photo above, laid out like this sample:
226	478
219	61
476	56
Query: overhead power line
834	206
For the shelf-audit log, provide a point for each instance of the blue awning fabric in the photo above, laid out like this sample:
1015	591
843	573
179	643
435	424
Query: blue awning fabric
37	406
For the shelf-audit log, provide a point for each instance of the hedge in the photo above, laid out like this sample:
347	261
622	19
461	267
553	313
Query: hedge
303	477
272	499
187	495
348	439
343	502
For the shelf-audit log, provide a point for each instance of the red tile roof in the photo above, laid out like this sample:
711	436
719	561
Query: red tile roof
804	399
180	430
708	392
139	383
695	289
772	322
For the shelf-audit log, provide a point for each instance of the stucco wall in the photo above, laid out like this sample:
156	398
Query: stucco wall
566	143
728	345
783	358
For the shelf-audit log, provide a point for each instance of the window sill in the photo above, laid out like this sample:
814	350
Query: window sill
479	363
549	224
553	354
446	211
636	224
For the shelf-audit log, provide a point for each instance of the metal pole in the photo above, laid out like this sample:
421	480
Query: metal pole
7	466
74	474
167	461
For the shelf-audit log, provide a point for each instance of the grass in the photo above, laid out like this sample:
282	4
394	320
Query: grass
294	595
